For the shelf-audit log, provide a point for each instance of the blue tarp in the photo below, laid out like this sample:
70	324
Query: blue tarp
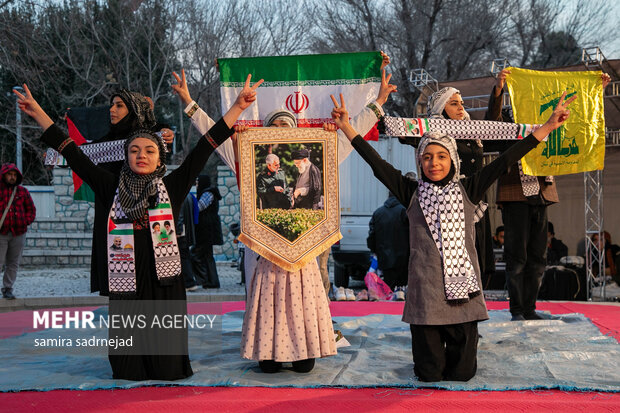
560	352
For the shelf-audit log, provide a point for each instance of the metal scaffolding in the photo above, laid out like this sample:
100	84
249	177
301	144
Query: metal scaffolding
426	84
593	59
595	256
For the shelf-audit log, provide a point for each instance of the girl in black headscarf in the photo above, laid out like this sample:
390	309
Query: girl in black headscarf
148	270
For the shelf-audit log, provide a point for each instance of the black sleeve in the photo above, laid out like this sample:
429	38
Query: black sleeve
102	181
315	174
477	184
402	187
494	113
494	110
180	181
371	239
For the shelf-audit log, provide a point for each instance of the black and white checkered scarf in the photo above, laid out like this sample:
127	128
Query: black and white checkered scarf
444	212
134	190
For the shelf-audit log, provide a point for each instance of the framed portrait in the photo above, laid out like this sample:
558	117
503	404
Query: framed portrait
289	193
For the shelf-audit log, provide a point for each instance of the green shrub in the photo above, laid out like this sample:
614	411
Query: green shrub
290	223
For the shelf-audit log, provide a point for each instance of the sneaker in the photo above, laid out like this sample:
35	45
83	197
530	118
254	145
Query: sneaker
349	294
517	317
362	296
340	294
8	295
192	288
399	294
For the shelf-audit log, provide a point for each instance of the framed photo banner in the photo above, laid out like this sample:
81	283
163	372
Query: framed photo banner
288	179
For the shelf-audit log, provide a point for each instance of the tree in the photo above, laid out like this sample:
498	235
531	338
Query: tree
557	49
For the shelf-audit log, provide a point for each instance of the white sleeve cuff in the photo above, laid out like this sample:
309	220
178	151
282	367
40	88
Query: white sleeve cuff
189	107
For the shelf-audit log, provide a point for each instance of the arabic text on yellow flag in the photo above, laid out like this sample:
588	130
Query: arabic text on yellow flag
579	144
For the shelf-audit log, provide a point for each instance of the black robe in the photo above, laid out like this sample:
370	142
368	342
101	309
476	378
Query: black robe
178	184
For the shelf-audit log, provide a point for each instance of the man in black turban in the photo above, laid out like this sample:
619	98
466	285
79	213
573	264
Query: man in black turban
309	185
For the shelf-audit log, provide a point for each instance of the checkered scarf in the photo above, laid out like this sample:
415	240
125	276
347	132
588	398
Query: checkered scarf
445	216
121	264
134	190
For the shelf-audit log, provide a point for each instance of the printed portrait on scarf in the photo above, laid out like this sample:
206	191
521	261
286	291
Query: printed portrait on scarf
289	193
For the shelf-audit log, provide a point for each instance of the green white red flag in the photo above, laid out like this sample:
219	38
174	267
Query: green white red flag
302	84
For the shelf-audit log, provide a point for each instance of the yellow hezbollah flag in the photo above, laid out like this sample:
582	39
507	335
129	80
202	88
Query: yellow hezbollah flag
579	144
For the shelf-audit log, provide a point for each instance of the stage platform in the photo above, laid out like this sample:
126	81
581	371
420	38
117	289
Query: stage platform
410	394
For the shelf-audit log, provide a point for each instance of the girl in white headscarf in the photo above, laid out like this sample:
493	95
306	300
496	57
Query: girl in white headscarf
287	316
447	103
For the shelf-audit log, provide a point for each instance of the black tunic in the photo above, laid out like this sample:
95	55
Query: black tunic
178	184
98	259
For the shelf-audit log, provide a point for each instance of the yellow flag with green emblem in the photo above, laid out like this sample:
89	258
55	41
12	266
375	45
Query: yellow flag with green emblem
579	144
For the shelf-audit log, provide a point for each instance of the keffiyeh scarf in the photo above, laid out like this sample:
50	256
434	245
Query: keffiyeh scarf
468	129
121	243
444	213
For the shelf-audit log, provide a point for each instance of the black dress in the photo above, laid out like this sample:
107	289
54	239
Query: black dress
178	184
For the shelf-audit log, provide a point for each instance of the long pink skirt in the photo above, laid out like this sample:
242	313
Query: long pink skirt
287	315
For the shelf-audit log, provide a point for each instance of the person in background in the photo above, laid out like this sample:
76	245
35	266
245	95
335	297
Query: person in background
612	252
18	211
186	238
556	249
523	200
498	238
388	238
208	232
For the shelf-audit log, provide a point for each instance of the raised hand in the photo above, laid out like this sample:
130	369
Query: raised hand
561	111
558	117
386	88
340	115
167	135
500	81
329	127
248	94
606	79
241	128
181	88
385	60
246	97
31	107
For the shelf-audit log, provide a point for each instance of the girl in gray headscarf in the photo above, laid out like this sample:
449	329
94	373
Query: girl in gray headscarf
444	301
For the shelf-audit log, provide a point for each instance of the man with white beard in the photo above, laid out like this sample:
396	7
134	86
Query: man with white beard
307	193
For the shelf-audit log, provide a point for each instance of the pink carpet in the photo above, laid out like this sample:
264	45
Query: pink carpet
236	399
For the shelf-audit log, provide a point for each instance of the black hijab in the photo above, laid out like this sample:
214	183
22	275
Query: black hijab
140	116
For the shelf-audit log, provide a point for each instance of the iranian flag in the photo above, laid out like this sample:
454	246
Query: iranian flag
302	84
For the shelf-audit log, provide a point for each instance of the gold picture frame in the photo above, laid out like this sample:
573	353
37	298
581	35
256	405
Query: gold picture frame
285	216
